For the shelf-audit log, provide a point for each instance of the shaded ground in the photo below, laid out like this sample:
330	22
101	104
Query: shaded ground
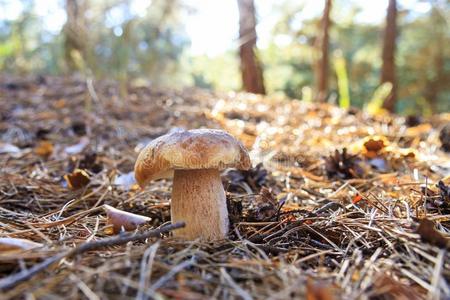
310	219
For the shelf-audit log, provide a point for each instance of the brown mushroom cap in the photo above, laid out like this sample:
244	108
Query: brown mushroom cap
191	149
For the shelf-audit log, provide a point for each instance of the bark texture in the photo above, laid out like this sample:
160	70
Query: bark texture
251	70
388	56
322	46
198	199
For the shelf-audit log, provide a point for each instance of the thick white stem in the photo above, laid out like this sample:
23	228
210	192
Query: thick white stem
198	199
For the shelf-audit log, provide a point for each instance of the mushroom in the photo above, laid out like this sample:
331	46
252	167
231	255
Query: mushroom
194	158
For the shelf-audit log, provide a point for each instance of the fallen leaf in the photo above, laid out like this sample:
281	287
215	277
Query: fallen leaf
385	287
14	244
418	130
375	143
430	235
46	115
8	148
318	291
61	103
77	179
127	181
11	149
77	148
44	148
408	153
122	219
446	180
356	199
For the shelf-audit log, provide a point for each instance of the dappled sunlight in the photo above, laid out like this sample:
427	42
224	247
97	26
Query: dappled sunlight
244	149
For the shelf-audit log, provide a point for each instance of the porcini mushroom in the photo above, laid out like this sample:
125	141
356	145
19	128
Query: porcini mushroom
194	158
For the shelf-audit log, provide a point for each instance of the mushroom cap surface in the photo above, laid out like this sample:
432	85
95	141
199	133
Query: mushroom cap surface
189	149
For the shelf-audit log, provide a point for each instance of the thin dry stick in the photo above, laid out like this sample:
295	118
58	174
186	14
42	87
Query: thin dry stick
69	220
173	271
239	291
146	269
15	279
439	265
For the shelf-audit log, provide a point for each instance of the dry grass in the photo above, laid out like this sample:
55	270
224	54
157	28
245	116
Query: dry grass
322	231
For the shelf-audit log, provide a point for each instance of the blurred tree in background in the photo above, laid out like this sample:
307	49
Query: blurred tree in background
130	39
106	38
252	73
75	35
388	55
419	44
322	45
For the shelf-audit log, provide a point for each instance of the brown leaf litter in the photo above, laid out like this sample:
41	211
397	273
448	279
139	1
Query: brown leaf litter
309	221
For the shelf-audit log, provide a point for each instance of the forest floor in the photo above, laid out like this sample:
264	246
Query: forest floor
338	205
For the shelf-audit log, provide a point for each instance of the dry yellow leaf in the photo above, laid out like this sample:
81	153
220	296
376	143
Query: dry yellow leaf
77	179
44	148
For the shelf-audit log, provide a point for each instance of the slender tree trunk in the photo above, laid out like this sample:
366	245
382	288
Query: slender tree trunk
252	75
388	56
75	44
322	63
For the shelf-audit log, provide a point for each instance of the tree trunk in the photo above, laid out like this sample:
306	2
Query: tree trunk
252	76
322	63
75	35
388	67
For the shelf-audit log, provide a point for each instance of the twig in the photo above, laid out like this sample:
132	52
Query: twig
173	271
434	293
91	89
239	291
15	279
146	270
314	255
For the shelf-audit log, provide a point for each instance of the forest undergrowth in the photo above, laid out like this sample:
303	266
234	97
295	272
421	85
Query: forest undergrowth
339	204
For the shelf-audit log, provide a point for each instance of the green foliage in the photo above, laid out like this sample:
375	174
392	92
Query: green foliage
123	46
375	105
152	45
342	80
220	73
287	69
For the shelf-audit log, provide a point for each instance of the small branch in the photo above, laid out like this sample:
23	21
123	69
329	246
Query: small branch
15	279
91	89
173	271
238	290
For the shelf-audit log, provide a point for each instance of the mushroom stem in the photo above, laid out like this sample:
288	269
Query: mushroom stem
198	199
